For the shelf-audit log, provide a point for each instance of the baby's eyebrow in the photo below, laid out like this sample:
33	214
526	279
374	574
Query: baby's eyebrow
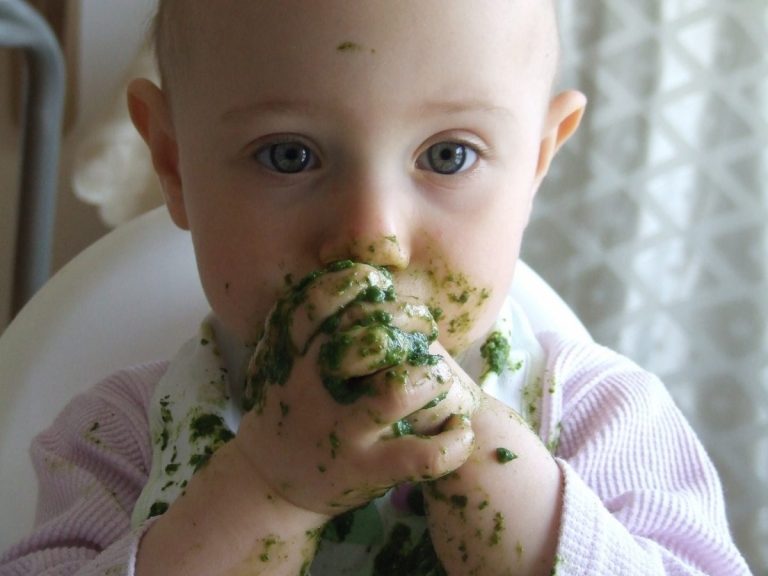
313	108
437	107
286	107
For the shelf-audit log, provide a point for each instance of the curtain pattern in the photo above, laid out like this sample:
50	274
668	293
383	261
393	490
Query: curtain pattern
652	223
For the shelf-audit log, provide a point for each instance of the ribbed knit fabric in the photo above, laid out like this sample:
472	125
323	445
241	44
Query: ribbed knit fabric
641	496
91	465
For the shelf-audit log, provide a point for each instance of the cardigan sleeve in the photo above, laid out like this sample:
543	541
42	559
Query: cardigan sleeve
91	465
641	496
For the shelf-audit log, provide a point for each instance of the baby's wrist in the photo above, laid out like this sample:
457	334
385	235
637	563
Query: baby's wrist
243	476
229	517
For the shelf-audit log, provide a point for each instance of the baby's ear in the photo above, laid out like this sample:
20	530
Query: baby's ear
151	116
563	118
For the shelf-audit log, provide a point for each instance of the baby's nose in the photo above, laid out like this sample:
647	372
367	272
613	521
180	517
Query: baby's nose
370	217
386	250
367	230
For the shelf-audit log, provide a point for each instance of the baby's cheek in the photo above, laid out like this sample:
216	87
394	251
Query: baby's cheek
242	308
463	308
460	323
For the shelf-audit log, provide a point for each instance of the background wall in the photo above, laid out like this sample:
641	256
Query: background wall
110	34
652	222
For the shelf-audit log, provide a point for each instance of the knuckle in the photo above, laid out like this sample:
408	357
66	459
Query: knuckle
397	398
436	463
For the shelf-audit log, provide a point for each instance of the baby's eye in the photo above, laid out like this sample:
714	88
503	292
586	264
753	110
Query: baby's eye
286	157
448	158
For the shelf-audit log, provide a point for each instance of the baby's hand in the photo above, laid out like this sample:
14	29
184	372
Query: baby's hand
341	372
400	337
502	505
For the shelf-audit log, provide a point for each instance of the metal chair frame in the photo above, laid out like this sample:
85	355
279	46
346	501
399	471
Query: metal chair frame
24	28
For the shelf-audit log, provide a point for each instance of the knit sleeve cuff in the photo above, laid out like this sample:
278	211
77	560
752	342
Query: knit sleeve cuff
592	542
120	558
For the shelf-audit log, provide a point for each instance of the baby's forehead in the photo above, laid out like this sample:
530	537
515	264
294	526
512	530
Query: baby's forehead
183	28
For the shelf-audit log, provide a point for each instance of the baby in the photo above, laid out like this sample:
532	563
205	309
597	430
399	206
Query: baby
364	399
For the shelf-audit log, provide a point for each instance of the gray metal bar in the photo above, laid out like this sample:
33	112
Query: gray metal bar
23	27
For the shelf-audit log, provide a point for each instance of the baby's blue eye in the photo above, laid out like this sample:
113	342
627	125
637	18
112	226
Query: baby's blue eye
449	157
286	157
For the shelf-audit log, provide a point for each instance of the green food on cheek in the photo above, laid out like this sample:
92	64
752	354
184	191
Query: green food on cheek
460	324
270	542
498	528
456	301
437	313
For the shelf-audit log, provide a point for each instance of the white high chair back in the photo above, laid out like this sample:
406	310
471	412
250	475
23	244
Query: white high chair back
132	297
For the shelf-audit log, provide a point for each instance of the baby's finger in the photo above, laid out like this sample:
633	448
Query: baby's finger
421	458
402	390
319	297
458	399
409	317
363	350
392	393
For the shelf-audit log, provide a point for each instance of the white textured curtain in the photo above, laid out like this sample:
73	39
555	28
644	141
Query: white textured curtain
653	224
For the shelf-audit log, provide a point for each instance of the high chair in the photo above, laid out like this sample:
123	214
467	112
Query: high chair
132	297
21	27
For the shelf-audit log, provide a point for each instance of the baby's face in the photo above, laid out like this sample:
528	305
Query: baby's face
402	134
